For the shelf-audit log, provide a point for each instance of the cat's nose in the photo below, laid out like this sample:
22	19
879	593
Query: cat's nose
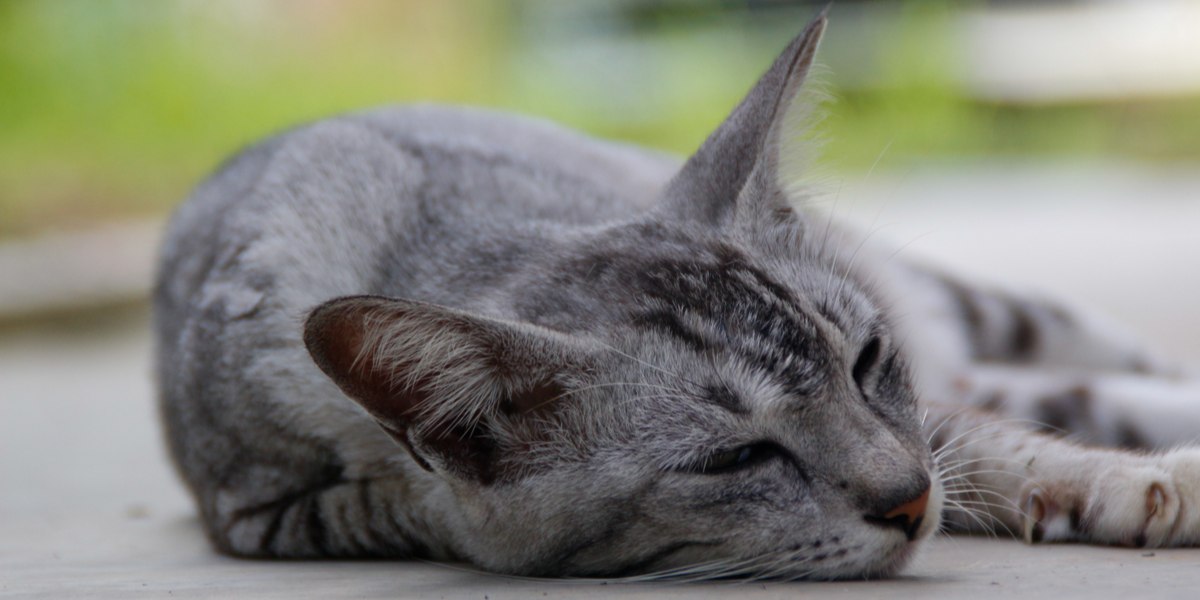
906	516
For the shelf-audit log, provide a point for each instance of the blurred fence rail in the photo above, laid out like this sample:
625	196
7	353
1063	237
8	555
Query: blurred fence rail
1082	51
66	273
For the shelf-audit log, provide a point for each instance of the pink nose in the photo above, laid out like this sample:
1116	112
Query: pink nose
906	517
912	510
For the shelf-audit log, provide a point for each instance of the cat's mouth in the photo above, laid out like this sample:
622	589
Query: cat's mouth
894	554
830	559
873	548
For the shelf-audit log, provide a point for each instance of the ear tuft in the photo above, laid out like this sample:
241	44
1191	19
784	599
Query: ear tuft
435	378
341	339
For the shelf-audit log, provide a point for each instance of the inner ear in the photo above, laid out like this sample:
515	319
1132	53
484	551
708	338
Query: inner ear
337	339
541	396
475	451
452	387
470	452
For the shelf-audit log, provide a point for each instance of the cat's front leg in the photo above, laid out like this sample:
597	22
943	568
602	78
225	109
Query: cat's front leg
1002	476
1147	500
360	518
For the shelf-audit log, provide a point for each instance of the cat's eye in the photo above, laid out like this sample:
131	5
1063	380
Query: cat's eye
867	357
736	458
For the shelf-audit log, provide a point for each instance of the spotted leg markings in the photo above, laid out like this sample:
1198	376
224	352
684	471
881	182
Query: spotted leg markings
1103	409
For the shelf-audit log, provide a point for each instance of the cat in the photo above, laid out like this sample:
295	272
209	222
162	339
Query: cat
462	336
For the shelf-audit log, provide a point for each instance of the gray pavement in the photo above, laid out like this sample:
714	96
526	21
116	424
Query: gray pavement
90	508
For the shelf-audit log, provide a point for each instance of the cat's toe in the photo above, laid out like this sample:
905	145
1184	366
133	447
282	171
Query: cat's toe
1049	514
1184	468
1126	505
1132	506
1033	513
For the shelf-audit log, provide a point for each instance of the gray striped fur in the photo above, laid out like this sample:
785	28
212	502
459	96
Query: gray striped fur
453	334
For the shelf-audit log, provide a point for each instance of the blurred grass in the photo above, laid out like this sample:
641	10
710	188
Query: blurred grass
116	107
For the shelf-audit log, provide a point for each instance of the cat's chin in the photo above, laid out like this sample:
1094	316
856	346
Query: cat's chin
892	558
887	566
897	562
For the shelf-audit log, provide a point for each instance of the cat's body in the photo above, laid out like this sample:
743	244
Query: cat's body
550	355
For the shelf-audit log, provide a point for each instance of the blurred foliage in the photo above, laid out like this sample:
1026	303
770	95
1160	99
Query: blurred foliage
116	107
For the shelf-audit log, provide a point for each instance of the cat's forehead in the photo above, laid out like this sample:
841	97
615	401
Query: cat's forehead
801	292
706	306
702	290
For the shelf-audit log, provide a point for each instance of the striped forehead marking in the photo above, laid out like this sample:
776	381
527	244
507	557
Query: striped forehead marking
731	306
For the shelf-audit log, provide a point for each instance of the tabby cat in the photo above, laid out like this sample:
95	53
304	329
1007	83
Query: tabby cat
457	335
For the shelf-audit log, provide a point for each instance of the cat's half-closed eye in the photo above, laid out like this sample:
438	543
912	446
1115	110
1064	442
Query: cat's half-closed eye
867	359
736	459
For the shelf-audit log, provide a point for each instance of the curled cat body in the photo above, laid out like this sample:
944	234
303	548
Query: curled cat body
459	335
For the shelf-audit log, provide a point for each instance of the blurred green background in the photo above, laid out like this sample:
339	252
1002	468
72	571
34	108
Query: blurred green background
115	108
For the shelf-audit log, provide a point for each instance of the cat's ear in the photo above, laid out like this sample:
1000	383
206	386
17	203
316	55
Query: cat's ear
435	378
745	149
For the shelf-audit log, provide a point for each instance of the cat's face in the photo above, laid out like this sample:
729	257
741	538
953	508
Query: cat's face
692	405
708	391
731	415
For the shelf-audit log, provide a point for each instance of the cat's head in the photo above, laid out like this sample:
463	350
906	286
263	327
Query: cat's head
712	390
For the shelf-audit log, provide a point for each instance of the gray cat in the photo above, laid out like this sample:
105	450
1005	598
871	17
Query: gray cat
452	334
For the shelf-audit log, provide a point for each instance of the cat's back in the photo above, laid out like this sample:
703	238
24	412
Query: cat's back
509	146
390	201
316	208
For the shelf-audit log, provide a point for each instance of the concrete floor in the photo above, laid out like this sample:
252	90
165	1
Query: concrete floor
89	506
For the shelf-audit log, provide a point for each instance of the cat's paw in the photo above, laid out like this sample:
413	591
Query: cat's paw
1152	502
1184	467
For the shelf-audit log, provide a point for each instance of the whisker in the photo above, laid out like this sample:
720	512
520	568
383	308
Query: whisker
985	527
942	423
995	423
619	352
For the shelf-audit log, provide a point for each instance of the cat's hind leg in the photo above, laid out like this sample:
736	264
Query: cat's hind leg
988	325
1096	408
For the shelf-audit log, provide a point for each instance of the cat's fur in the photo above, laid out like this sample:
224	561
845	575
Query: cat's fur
446	333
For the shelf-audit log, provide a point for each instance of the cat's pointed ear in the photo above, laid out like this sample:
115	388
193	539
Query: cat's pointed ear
435	378
708	186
